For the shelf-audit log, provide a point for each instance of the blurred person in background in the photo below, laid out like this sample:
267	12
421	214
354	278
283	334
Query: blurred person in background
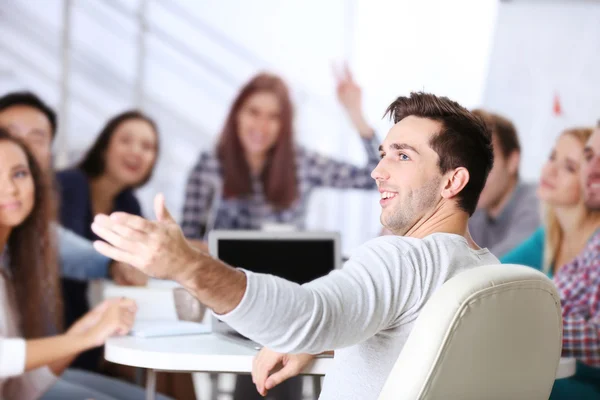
568	223
27	117
32	357
567	249
258	175
121	160
508	209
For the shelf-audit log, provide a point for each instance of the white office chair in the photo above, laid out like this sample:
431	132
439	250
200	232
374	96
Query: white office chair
493	332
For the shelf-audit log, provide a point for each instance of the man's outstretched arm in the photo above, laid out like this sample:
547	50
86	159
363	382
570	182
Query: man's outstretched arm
338	310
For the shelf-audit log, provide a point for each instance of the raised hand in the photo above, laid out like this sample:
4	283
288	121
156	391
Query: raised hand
349	95
348	92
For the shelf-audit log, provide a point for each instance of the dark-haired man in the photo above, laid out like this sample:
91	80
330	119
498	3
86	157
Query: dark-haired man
434	164
508	209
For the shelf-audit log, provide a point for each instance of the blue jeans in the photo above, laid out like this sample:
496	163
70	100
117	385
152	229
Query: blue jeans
80	385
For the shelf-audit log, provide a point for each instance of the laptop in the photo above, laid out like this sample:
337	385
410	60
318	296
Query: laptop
298	256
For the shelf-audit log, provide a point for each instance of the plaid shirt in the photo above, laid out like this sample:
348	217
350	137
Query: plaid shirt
206	209
578	284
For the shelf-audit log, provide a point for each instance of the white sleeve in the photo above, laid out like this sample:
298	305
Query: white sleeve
12	357
30	385
341	309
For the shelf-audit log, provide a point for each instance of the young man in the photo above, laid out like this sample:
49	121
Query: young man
508	210
434	163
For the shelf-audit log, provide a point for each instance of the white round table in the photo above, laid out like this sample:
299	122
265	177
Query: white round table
197	353
212	353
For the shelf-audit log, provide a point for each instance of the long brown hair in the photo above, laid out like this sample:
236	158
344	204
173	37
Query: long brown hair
279	174
554	233
32	254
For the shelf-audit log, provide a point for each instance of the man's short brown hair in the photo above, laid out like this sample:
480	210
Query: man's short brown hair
463	141
503	129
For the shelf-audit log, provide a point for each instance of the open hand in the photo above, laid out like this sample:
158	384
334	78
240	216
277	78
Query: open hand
157	248
348	92
349	95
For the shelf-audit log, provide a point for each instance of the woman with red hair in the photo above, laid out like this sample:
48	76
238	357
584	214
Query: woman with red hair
257	174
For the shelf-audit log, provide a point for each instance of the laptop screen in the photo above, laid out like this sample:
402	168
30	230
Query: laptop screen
299	261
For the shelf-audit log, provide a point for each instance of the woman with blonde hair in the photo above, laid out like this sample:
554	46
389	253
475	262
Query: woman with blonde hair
568	224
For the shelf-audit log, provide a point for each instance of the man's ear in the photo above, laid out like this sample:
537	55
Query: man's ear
456	181
512	163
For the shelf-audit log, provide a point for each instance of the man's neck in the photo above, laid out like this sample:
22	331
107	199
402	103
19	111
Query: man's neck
496	210
445	218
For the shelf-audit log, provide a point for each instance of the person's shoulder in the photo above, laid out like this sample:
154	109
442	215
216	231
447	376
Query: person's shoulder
128	202
71	177
445	240
452	246
392	252
587	261
528	192
387	248
208	161
478	218
591	252
73	188
539	233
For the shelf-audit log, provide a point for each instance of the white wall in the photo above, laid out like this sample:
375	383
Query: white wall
394	46
542	50
401	46
441	47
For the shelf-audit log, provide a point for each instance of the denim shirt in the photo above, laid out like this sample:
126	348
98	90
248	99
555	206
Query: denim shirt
78	258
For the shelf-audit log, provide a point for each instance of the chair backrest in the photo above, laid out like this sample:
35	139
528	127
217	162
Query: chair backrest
493	332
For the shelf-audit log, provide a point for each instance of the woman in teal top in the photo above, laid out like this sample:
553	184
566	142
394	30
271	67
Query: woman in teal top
530	252
568	225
